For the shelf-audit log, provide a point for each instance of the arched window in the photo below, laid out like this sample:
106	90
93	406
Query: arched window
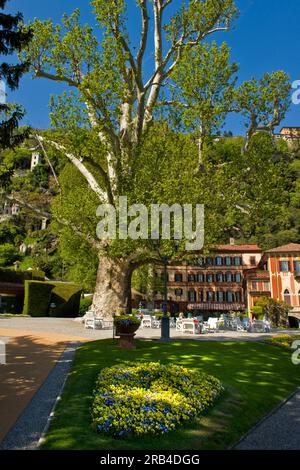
210	296
228	261
192	296
219	261
287	296
200	296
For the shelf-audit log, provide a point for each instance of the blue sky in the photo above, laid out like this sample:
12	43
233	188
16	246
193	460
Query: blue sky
265	38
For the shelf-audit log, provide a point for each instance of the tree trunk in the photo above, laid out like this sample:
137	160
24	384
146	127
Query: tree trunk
113	287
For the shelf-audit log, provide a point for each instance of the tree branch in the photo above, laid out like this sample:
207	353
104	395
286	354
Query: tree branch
81	167
56	78
48	159
144	35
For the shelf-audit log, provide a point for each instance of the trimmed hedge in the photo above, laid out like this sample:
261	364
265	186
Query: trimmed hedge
66	297
40	295
19	277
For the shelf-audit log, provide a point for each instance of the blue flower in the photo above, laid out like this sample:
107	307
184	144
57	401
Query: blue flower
109	402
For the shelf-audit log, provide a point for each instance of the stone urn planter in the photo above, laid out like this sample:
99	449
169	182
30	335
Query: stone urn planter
126	326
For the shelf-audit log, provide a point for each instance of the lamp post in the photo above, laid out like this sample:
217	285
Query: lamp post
165	321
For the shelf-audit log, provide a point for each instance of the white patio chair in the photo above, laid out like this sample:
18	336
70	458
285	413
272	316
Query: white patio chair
146	321
172	323
239	325
212	324
179	323
189	326
155	322
258	326
261	326
92	321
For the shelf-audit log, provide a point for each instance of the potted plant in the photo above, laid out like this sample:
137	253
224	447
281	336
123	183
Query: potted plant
126	326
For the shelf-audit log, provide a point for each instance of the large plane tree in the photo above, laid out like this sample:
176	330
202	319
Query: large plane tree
118	74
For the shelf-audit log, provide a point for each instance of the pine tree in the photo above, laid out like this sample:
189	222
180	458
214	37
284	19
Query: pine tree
13	38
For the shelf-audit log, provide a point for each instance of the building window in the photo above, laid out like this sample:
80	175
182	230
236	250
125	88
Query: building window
200	278
230	297
219	277
210	296
191	278
228	277
200	261
238	297
192	296
297	266
287	296
252	260
220	296
284	266
178	277
200	296
209	278
238	278
299	297
237	261
178	292
209	261
227	261
254	285
219	261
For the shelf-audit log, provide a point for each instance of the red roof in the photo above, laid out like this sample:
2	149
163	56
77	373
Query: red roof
290	248
239	248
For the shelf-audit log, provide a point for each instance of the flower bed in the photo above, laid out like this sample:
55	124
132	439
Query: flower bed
152	398
284	341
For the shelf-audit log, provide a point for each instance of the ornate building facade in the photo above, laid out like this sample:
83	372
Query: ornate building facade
210	284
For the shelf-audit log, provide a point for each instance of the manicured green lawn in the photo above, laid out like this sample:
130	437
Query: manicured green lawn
257	377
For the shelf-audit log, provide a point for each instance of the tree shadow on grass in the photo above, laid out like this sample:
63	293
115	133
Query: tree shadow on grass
256	377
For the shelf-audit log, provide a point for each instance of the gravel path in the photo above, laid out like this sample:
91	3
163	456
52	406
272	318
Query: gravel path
29	427
278	431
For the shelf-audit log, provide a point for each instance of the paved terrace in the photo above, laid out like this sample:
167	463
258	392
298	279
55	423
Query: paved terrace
76	332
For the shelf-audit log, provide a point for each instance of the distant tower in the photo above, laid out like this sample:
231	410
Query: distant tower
44	223
15	210
35	160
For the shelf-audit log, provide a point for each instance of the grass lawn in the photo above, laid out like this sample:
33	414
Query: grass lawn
257	376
